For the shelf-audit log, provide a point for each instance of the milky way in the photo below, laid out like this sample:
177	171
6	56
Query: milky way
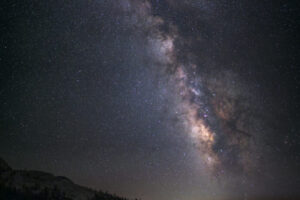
214	115
154	99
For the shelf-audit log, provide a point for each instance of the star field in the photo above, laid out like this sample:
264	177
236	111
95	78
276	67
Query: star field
154	99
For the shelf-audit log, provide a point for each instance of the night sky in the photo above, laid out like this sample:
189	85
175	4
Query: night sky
154	99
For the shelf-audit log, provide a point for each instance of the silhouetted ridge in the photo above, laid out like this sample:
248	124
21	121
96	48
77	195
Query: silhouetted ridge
38	185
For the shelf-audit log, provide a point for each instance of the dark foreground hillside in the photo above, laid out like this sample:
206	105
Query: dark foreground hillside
37	185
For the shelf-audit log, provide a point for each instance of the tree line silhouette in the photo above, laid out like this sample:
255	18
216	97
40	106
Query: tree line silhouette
37	193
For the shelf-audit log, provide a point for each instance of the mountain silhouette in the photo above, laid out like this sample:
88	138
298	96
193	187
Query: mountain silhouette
38	185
